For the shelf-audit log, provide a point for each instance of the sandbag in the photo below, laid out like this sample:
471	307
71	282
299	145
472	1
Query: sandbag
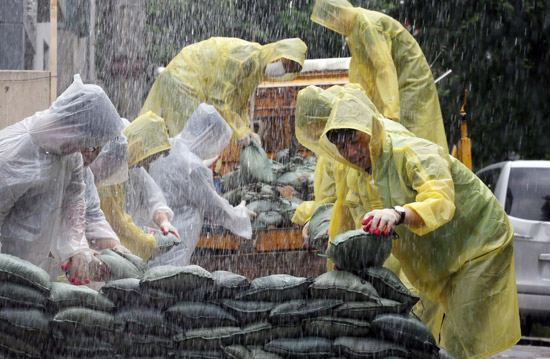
390	286
318	226
260	206
254	165
242	352
288	208
406	330
31	325
17	270
196	354
334	327
260	333
228	284
12	346
144	321
367	310
342	285
206	338
83	320
199	315
368	348
299	178
167	241
118	266
293	311
308	347
124	292
177	279
356	250
268	219
13	295
276	288
231	180
248	311
64	295
81	345
139	263
142	345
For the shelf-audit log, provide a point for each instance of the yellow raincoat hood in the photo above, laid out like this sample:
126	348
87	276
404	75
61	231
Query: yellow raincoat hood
337	15
220	71
146	136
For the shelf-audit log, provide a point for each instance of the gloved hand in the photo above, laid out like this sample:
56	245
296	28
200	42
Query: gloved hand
380	220
245	140
212	162
249	213
167	227
98	269
76	268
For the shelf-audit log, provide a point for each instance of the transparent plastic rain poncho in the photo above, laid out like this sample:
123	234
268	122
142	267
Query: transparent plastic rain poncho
220	71
188	186
389	64
42	207
135	202
111	166
462	258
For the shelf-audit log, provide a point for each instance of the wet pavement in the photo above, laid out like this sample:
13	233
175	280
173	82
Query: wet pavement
538	348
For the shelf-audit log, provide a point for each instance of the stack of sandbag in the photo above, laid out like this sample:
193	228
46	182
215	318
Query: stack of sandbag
271	188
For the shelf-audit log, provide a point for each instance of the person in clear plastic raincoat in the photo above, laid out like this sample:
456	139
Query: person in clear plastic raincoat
456	241
139	201
223	72
111	167
188	186
42	207
389	64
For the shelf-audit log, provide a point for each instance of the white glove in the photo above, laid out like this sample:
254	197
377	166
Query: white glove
78	267
245	140
249	213
380	220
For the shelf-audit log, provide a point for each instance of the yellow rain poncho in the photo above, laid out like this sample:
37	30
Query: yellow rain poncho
389	64
146	136
223	72
462	258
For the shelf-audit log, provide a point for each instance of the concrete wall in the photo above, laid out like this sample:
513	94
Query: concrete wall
22	93
12	35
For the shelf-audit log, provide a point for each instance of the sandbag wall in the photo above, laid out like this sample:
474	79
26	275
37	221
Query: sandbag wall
271	188
188	312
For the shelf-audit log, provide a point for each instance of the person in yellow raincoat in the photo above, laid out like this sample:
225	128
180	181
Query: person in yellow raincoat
389	64
456	241
223	72
139	200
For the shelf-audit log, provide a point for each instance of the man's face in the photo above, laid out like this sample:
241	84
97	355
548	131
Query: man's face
90	154
355	149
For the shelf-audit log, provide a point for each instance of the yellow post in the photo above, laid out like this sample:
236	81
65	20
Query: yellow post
464	144
53	50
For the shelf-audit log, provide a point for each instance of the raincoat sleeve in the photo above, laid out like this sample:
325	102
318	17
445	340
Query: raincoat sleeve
324	187
97	226
377	45
72	239
203	195
131	236
144	198
429	175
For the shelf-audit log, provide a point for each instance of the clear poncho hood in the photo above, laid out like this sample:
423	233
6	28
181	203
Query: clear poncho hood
206	133
111	166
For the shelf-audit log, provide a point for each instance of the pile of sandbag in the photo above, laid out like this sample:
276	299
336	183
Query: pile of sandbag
271	188
188	312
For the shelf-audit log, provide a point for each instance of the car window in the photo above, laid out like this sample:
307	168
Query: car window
528	194
490	177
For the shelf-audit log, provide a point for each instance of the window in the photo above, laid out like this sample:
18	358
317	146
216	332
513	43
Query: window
528	194
490	178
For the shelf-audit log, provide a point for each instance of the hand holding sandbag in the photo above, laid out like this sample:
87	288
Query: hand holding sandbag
379	220
249	213
77	267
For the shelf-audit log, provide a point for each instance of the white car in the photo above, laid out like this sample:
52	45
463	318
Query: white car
523	189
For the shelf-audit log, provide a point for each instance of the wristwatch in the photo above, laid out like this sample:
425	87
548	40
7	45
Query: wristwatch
401	211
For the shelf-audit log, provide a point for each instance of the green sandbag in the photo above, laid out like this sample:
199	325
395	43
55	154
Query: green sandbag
30	324
298	178
268	219
248	311
368	348
65	295
231	180
390	286
234	197
260	333
237	352
195	354
288	207
143	345
199	315
177	279
254	164
334	327
318	226
342	285
12	346
406	330
17	270
368	309
165	242
124	292
13	295
260	206
75	319
356	250
228	284
276	288
293	311
118	266
139	263
206	338
81	345
144	321
308	347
